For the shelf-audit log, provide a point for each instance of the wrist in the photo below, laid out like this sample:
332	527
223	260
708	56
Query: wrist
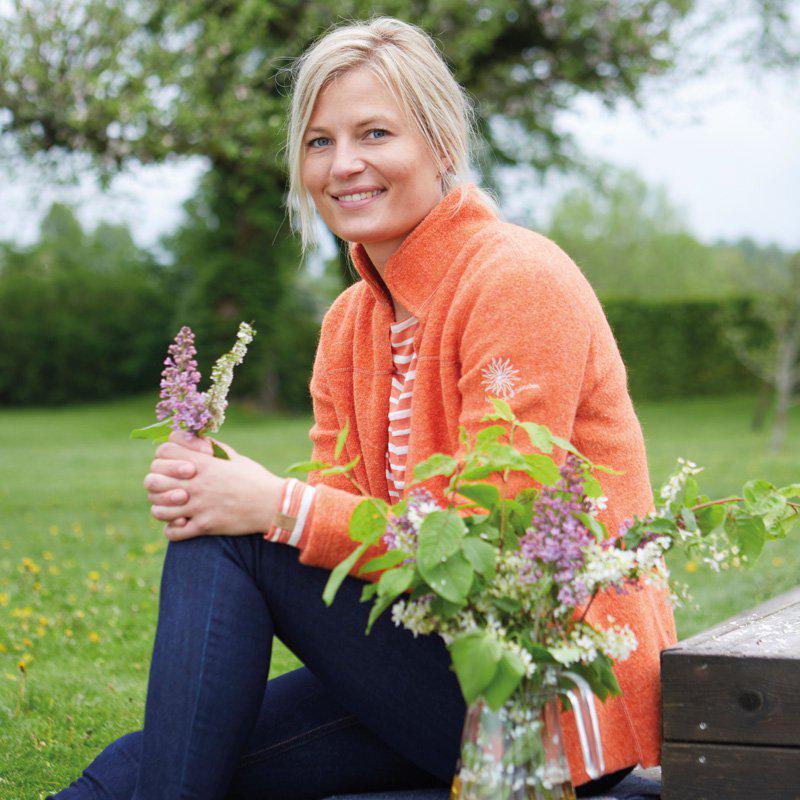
275	495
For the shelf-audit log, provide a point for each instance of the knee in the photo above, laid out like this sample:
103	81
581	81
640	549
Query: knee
127	750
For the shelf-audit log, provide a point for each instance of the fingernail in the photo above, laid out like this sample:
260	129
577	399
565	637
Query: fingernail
188	435
186	470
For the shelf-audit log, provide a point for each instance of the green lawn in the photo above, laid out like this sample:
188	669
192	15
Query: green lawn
80	561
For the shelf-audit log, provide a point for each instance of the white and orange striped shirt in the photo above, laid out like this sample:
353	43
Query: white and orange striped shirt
297	497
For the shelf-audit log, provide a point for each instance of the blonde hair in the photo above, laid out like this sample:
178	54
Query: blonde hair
406	60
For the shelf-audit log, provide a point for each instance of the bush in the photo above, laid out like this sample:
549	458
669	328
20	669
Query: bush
678	348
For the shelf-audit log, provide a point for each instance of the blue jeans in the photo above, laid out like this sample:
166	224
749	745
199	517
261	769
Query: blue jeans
365	713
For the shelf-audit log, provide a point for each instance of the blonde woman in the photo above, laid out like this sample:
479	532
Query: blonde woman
454	306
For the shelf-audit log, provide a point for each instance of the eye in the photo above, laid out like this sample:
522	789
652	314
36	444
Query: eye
378	130
318	139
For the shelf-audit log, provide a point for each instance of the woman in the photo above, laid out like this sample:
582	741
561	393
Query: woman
454	306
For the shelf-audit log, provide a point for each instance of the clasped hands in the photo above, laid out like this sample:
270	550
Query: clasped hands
197	494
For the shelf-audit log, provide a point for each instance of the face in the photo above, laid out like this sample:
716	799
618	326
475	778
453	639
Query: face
369	171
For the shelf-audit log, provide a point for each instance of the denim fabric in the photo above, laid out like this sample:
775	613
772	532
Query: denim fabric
365	714
633	787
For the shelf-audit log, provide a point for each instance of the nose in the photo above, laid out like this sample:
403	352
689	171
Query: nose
346	161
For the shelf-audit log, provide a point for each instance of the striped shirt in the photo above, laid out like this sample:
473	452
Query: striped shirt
297	498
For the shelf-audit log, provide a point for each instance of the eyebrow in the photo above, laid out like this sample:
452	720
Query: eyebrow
368	121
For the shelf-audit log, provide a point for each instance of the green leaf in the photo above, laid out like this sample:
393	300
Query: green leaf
689	520
564	444
157	432
444	608
591	486
489	435
791	492
340	572
691	491
451	578
594	525
369	591
542	469
757	496
395	581
510	671
437	464
381	604
539	435
482	555
475	657
340	439
484	494
219	452
502	410
463	437
306	466
507	604
749	533
709	518
389	559
367	524
340	469
440	536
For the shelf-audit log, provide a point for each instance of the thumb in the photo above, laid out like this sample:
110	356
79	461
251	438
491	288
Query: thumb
191	442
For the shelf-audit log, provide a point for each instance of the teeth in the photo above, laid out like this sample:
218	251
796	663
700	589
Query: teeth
361	196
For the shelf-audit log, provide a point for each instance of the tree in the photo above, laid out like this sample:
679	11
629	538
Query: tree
631	241
775	285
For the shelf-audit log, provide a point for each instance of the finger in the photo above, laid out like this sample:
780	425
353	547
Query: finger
156	482
177	533
173	467
192	442
179	451
176	497
168	513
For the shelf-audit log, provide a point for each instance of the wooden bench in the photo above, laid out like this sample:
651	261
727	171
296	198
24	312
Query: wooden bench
731	708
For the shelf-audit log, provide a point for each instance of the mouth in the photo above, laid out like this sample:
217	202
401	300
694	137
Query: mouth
358	199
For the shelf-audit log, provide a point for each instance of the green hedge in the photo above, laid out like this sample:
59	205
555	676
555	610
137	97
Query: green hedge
678	348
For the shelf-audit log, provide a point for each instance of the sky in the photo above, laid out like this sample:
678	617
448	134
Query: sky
725	146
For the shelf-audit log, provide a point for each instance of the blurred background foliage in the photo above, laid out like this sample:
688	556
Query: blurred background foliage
144	81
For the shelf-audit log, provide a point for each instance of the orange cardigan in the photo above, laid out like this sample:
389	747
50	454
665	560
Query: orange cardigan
505	312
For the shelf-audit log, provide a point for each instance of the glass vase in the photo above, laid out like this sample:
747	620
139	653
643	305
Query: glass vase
514	753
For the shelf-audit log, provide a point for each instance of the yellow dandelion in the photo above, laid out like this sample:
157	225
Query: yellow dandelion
54	530
68	632
37	585
94	637
691	566
3	648
41	631
27	642
777	561
94	575
43	620
105	565
47	555
3	598
54	570
80	614
76	527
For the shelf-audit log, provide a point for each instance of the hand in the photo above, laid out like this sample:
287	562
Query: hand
197	494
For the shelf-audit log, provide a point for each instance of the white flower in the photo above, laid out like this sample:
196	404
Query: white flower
216	398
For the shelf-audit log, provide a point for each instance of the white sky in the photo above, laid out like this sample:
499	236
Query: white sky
727	148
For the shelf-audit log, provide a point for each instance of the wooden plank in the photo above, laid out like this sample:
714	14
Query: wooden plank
693	771
730	699
771	630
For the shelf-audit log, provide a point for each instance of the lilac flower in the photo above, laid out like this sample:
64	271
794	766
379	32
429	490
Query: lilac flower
555	540
402	533
180	398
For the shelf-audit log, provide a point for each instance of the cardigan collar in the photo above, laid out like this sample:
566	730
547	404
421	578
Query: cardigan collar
415	270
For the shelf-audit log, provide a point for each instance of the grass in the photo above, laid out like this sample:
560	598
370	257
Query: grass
80	561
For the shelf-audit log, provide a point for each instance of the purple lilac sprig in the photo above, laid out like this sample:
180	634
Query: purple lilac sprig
401	533
556	537
180	397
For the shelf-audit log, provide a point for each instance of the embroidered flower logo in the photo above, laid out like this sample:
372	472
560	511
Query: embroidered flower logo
500	379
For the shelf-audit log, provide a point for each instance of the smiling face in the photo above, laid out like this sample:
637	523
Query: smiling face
368	170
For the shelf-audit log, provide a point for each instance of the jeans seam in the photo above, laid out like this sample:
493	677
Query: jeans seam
267	752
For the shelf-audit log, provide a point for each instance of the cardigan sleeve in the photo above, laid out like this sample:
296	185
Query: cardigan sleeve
526	339
325	540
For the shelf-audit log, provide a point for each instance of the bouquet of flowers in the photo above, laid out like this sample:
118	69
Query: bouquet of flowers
508	588
182	406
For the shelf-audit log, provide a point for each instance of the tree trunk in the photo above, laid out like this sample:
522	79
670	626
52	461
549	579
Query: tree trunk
761	408
786	377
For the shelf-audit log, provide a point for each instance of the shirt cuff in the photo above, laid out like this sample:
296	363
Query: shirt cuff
295	506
